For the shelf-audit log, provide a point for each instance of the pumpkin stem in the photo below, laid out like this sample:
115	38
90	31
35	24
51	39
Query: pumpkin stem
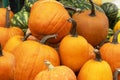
8	9
73	9
26	36
1	54
49	65
97	55
116	73
92	8
73	31
115	37
44	39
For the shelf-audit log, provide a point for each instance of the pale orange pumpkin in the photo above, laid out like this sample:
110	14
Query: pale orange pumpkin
56	73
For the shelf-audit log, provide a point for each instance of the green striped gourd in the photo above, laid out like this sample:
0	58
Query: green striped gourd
28	4
81	4
20	19
111	11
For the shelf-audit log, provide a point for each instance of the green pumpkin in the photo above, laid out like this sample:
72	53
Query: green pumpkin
111	11
81	4
20	19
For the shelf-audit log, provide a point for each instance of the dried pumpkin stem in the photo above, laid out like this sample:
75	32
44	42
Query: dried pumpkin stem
26	36
73	29
8	16
115	37
44	39
92	8
73	9
49	65
1	50
116	73
97	55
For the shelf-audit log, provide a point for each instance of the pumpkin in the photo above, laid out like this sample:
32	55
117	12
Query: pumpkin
74	50
20	19
14	42
55	23
3	12
95	69
56	73
111	51
30	56
111	11
8	31
7	65
92	24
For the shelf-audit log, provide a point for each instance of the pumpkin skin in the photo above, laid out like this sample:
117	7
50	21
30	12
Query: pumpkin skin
95	69
56	22
30	56
3	16
56	73
7	33
7	65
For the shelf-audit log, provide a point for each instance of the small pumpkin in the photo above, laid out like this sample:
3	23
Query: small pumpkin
56	73
30	56
95	69
92	24
14	42
7	65
3	12
74	50
8	31
111	51
55	23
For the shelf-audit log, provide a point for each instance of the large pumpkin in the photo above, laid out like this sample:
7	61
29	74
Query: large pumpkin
49	17
56	73
30	56
92	24
3	12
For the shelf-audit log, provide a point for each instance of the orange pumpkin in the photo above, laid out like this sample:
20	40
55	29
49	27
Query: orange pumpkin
74	50
95	69
3	12
30	56
49	17
8	31
92	24
7	65
56	73
111	51
14	42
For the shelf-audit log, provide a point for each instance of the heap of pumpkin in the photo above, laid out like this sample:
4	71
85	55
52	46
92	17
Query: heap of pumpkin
59	40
